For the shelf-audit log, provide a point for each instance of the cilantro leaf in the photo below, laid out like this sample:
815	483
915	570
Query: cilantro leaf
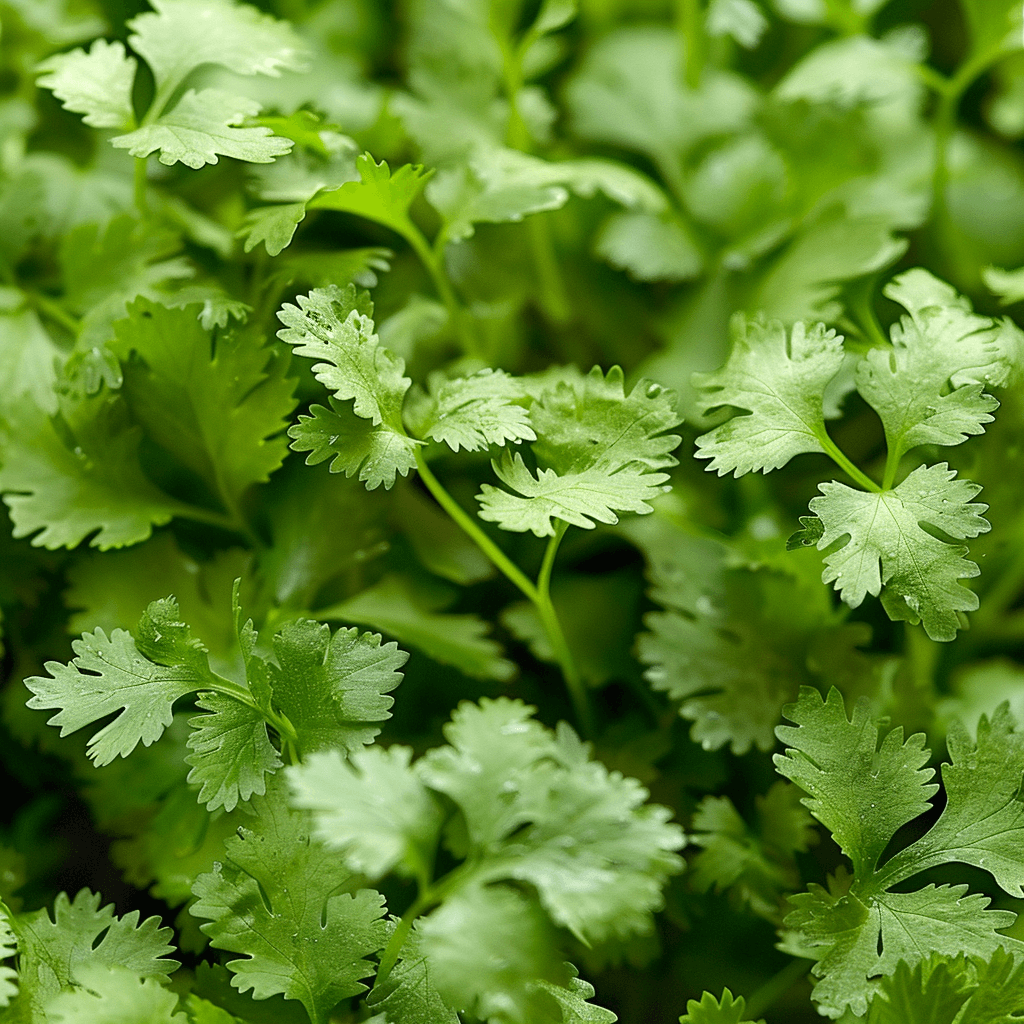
755	865
474	412
484	945
888	545
113	995
97	84
375	455
599	452
710	1010
412	615
179	36
779	377
379	195
373	808
574	1003
274	226
202	127
408	995
861	793
931	992
60	493
650	246
107	675
859	929
231	752
8	948
218	404
336	326
284	902
28	355
333	687
81	935
929	388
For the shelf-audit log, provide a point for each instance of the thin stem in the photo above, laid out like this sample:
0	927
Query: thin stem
839	458
433	262
776	987
500	560
892	465
211	517
864	311
556	637
141	202
690	22
55	311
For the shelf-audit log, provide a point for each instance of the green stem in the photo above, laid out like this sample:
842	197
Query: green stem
55	311
892	465
690	23
499	559
433	263
210	517
863	310
775	987
141	202
556	637
839	458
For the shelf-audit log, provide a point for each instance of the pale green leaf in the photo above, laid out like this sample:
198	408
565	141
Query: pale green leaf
203	126
28	356
474	412
777	379
113	995
373	808
97	84
179	36
711	1010
8	948
743	20
649	246
274	226
886	545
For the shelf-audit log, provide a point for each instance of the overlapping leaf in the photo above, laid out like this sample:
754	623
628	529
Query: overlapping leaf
599	451
777	379
888	545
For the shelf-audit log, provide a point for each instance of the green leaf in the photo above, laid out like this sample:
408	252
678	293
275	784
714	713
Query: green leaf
274	226
574	1001
218	404
373	808
858	930
474	412
994	25
650	246
733	645
333	687
108	675
82	935
113	995
887	545
284	902
931	992
598	452
408	995
181	35
629	92
709	1010
755	866
336	326
396	606
375	455
982	822
28	356
778	378
231	752
379	195
862	793
97	84
202	127
8	948
484	945
743	20
929	387
59	493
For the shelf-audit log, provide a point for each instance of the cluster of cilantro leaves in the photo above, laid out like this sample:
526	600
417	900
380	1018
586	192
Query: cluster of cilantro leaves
373	636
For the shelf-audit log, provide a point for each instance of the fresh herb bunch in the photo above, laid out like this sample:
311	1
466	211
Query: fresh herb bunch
359	365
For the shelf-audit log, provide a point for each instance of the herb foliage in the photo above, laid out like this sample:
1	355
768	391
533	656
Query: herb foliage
360	368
